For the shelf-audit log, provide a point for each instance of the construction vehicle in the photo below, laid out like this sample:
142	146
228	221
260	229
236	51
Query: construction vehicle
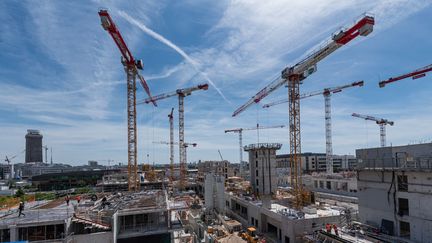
327	92
294	76
418	73
131	67
381	123
240	133
249	235
181	93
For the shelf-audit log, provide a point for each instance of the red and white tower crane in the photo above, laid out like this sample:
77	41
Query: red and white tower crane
327	92
181	93
294	75
418	73
381	123
131	66
240	133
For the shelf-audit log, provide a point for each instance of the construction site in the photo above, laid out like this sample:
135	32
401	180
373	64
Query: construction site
380	194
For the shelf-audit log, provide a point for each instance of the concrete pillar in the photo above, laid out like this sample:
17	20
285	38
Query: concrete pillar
13	233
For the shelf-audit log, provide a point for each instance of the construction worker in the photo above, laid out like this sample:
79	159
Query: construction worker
335	230
67	199
21	209
328	228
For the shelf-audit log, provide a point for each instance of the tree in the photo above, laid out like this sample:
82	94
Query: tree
19	193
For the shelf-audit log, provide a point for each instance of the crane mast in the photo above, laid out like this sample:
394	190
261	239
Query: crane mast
240	133
381	123
327	92
171	124
181	94
131	67
418	73
294	75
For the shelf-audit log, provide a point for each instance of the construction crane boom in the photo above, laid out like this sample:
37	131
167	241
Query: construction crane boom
418	73
131	66
294	75
240	133
307	66
325	91
381	122
176	143
181	94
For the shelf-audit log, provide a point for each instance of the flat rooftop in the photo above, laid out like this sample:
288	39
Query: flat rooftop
37	217
309	213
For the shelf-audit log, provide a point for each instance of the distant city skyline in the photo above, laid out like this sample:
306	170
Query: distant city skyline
61	74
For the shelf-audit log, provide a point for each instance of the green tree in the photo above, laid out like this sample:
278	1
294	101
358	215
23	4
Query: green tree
19	193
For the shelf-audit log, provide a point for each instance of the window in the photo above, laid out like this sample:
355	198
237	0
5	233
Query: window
257	182
404	229
328	185
256	172
403	206
22	233
287	239
256	163
256	154
402	183
4	235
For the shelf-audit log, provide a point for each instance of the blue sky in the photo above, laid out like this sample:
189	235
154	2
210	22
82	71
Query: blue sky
60	72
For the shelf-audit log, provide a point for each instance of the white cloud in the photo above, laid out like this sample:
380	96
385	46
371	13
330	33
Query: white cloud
250	43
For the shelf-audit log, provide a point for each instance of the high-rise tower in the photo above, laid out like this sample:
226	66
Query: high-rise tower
33	146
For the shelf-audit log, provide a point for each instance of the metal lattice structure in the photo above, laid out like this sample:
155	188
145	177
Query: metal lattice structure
133	181
327	92
295	139
240	133
181	94
294	75
171	124
131	67
381	123
418	73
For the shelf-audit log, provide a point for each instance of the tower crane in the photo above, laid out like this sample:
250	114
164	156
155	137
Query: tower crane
46	153
8	159
327	92
171	124
181	94
381	122
418	73
131	67
294	75
240	133
172	143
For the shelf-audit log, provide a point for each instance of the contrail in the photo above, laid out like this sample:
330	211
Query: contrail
173	46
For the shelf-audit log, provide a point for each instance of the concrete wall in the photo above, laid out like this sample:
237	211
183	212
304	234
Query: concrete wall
385	157
263	170
102	237
378	197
